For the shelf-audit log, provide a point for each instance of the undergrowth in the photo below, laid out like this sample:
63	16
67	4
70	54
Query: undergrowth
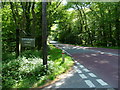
27	71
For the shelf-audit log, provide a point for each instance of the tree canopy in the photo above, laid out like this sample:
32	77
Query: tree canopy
83	23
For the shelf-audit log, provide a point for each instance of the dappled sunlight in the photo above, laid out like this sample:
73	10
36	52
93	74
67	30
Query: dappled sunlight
102	53
74	47
87	55
59	83
77	48
84	47
94	54
28	71
34	32
64	79
110	55
102	61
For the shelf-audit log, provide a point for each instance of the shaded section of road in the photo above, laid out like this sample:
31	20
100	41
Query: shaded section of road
104	63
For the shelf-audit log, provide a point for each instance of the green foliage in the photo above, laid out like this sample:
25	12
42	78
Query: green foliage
31	54
28	71
8	30
94	24
23	15
23	68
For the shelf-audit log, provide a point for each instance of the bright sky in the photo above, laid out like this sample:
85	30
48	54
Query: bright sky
64	2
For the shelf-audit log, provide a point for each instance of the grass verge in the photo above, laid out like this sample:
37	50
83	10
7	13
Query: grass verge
27	71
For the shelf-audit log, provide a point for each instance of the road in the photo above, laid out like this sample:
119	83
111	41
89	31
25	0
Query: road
98	66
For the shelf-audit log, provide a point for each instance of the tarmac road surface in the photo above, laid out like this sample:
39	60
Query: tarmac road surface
95	67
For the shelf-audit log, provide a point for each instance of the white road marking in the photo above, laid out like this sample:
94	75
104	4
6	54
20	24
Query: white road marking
82	76
86	70
101	82
92	75
79	71
89	83
75	67
81	66
78	63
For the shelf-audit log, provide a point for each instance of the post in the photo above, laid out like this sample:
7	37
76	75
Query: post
63	56
17	42
44	32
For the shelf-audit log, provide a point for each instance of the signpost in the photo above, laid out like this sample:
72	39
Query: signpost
63	56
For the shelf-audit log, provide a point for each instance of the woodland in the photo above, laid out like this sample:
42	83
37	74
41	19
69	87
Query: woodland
95	24
87	23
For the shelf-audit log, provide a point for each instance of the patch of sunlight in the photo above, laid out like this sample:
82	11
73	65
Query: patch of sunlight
64	2
76	61
54	27
87	10
96	61
70	75
70	9
87	55
49	86
102	53
59	83
93	54
74	19
39	82
102	62
110	55
63	47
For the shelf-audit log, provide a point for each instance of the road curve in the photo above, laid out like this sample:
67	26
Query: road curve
101	61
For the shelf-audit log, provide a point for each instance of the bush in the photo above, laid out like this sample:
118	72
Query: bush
23	68
28	71
32	54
